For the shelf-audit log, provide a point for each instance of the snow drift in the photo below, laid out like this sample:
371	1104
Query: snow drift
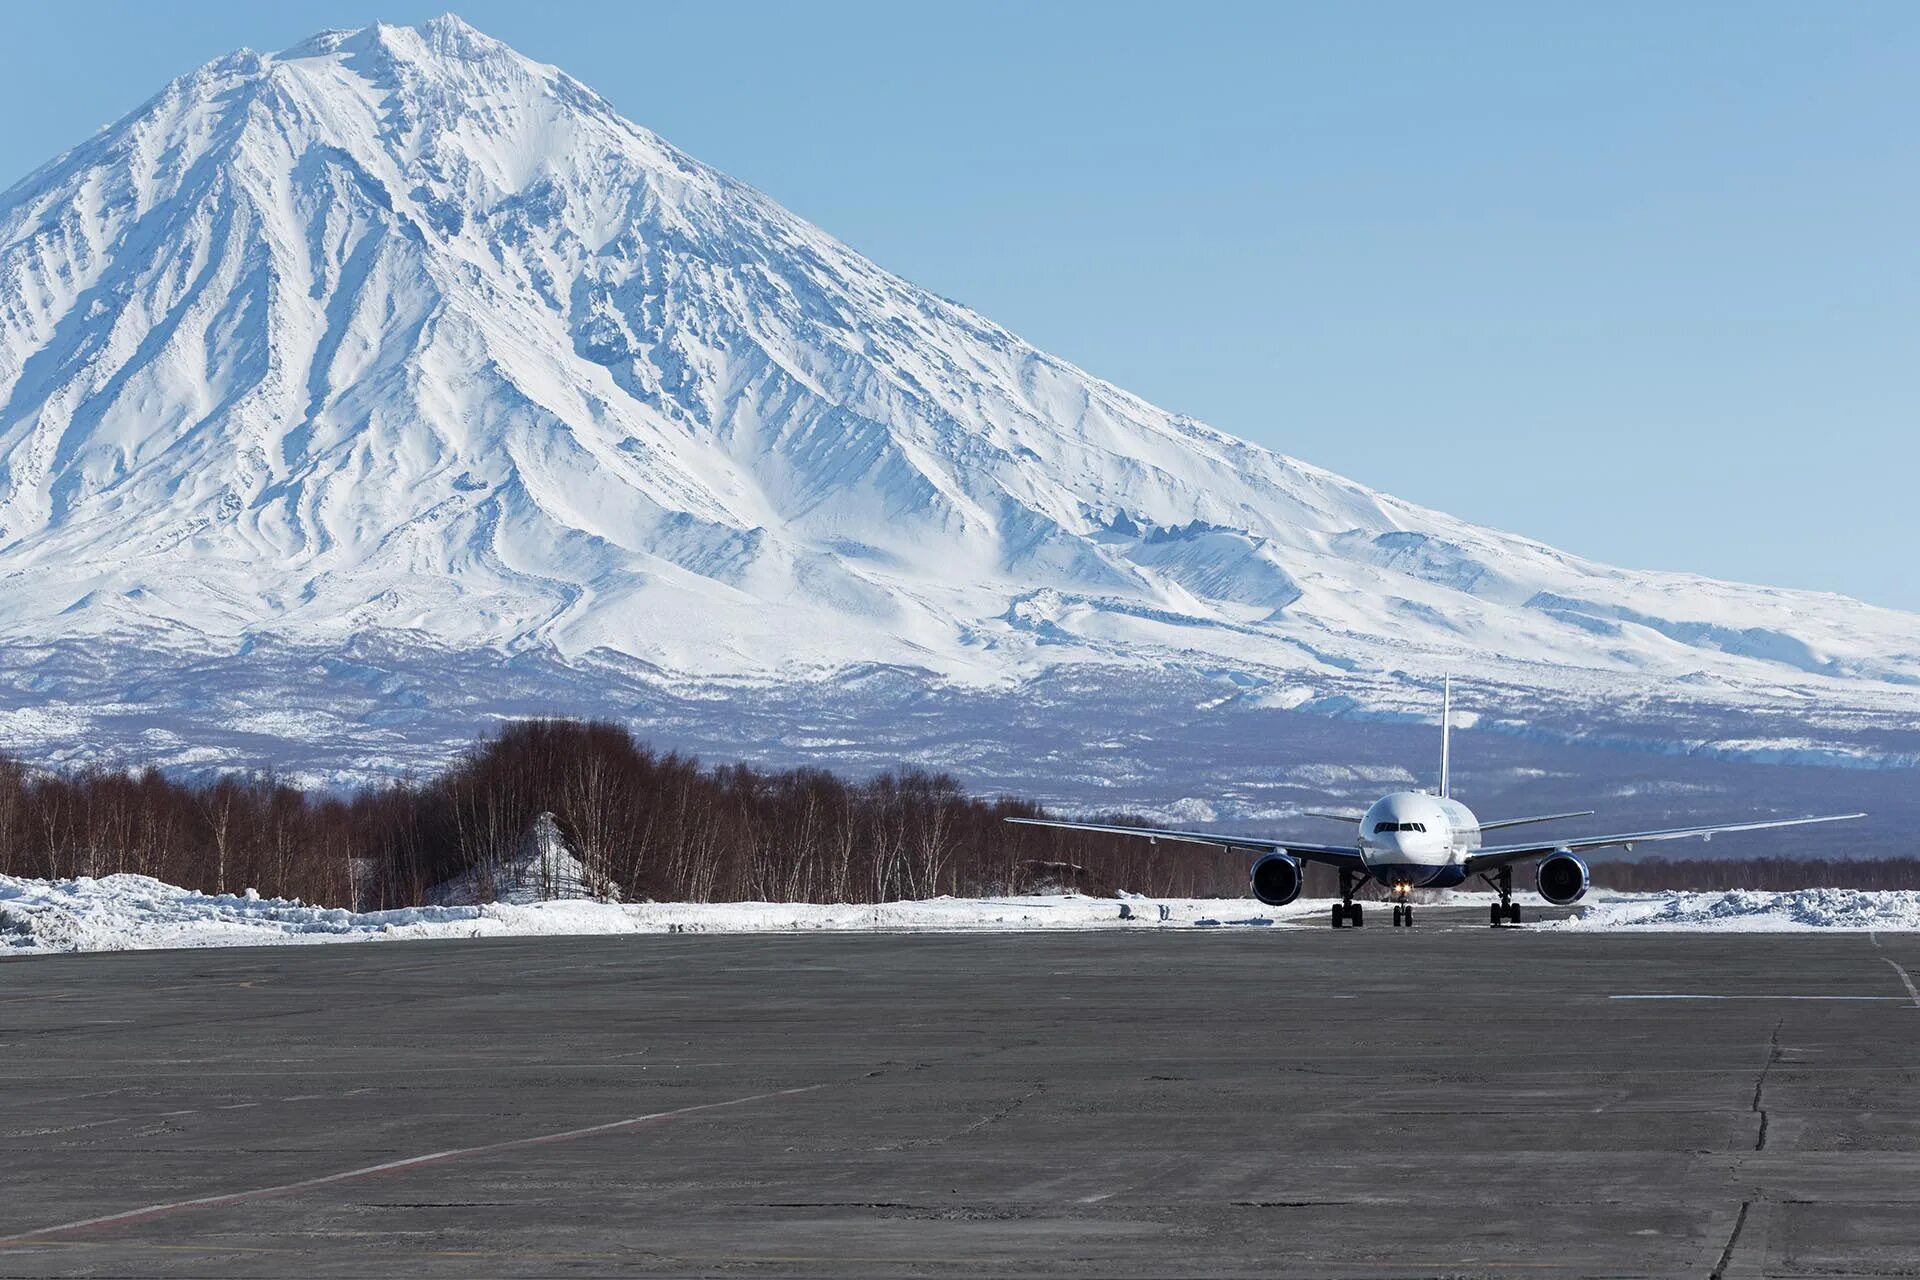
129	912
397	333
1751	911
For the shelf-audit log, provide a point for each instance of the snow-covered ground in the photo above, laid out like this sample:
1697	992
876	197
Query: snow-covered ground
121	913
1751	911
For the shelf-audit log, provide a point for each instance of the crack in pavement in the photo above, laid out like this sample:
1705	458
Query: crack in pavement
1726	1255
1759	1085
1907	980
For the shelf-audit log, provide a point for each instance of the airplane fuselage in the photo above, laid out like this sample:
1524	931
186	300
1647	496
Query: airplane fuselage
1414	840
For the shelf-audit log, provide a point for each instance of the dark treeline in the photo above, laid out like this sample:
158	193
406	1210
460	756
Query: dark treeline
657	825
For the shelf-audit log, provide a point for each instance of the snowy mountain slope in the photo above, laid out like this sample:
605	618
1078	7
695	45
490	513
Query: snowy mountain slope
400	333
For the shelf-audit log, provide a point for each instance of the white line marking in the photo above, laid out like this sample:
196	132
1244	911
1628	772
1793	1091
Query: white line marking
1915	994
1683	996
391	1166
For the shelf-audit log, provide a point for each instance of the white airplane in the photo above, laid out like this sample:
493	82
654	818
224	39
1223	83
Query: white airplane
1418	840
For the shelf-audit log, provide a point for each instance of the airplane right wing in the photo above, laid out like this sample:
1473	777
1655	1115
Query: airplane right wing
1334	855
1486	859
1521	822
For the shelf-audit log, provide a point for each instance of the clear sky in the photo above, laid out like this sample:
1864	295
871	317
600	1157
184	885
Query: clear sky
1639	279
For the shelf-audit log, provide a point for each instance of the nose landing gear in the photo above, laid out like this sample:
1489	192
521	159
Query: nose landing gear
1403	915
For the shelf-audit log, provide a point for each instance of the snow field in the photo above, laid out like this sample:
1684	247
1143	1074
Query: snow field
127	912
1751	911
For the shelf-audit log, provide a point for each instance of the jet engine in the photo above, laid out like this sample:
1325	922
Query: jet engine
1561	878
1276	880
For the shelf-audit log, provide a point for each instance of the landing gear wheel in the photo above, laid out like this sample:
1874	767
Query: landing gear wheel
1506	908
1354	916
1339	915
1407	915
1396	916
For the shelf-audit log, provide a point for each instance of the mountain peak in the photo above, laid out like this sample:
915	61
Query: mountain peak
448	35
451	29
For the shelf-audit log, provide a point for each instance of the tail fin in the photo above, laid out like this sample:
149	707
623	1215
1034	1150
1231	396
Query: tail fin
1446	738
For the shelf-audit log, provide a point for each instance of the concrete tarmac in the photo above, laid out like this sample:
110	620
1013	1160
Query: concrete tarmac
1290	1101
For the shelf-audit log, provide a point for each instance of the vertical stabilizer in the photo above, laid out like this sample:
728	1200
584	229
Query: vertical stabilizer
1446	738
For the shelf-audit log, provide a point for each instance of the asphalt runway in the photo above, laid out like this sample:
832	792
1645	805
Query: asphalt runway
1284	1101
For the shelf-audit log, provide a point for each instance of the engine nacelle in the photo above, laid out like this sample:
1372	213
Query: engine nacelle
1561	878
1276	879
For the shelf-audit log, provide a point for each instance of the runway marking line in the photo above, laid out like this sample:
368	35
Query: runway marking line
1907	981
1683	995
152	1211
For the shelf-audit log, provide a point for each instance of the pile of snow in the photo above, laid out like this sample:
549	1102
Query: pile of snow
541	869
127	913
1752	911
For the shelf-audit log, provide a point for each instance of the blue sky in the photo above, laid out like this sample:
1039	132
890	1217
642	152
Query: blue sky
1641	280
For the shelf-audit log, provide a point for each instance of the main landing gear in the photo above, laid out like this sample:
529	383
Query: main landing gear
1506	910
1347	911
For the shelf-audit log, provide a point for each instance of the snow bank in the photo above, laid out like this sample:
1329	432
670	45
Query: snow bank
123	913
119	913
1751	911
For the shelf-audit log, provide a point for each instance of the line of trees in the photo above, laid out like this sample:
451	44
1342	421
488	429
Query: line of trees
655	825
658	825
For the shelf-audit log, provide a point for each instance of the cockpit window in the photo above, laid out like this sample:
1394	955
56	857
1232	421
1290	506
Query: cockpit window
1379	827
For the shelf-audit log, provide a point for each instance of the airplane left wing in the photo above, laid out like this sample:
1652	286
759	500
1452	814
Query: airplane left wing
1486	859
1335	855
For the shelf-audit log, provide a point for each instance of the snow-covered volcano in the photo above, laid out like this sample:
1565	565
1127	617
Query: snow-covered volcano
399	334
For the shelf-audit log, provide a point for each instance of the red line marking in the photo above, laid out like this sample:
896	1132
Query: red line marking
153	1211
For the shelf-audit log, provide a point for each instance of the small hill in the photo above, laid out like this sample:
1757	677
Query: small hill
541	869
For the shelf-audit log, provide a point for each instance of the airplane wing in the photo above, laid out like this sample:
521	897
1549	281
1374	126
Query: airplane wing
1486	859
1336	855
1355	818
1521	822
